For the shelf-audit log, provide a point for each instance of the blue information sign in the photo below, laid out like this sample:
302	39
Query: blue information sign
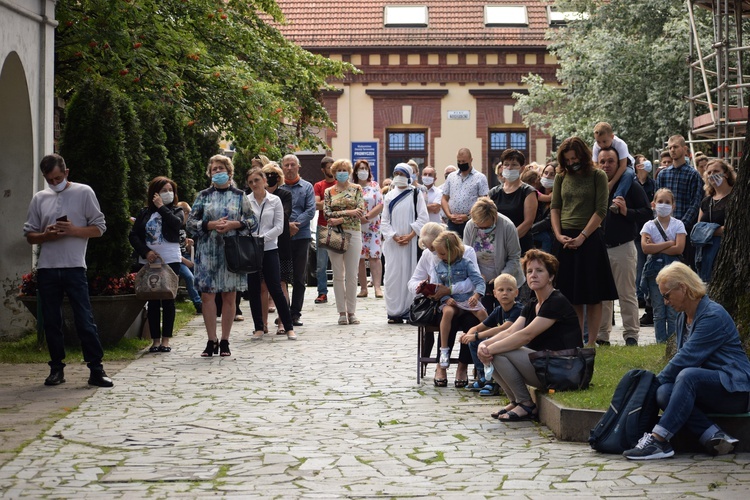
366	151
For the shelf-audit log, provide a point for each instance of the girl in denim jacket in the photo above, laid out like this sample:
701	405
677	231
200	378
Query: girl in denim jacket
453	268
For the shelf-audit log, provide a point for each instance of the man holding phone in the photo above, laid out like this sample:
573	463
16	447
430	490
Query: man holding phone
61	219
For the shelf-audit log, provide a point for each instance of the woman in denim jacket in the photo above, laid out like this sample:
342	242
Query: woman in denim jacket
709	374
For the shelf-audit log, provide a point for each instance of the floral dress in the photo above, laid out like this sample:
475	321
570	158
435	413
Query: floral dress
211	274
371	237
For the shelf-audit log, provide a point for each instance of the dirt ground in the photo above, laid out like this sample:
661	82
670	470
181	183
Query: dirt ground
28	407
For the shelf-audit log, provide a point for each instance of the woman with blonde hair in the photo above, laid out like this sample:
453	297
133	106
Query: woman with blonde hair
344	205
221	210
710	373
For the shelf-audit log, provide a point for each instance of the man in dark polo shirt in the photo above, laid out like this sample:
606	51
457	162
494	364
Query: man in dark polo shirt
620	232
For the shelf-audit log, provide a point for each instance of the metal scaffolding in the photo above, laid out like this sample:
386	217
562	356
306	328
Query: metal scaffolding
718	112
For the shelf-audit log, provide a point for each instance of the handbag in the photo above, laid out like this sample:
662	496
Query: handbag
243	253
566	370
424	312
335	239
156	281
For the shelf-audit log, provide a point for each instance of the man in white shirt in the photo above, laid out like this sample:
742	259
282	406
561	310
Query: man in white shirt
433	195
461	190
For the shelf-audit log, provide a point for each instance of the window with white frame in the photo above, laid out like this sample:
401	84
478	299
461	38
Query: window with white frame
405	16
505	16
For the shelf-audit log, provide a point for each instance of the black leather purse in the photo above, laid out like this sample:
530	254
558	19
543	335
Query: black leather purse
424	312
243	253
566	370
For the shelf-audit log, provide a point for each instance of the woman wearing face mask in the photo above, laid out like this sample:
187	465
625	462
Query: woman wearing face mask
662	240
371	238
274	176
156	236
221	210
515	199
344	206
404	214
720	178
579	204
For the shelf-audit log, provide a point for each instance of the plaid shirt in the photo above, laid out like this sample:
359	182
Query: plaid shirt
687	185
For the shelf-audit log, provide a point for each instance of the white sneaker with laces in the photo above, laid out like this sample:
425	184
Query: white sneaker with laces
649	448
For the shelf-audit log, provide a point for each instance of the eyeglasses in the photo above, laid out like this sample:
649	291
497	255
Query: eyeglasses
669	292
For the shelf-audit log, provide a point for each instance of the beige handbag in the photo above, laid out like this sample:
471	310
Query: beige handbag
156	281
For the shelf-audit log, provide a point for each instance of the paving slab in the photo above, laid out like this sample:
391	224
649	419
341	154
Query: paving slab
336	414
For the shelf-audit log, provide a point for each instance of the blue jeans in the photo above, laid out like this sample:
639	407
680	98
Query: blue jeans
626	180
71	281
694	391
187	275
473	348
322	275
457	228
543	241
664	316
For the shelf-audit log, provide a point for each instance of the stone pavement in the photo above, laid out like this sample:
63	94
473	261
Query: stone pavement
336	414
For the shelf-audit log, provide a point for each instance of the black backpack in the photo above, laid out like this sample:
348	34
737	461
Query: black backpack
632	412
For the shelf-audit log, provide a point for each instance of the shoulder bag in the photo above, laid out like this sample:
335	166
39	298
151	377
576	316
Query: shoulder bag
335	239
243	253
424	312
566	370
156	281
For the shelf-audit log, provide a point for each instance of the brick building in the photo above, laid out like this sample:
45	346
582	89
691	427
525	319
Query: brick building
436	75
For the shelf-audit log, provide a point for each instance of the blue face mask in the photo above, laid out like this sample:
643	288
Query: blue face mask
342	176
487	230
220	179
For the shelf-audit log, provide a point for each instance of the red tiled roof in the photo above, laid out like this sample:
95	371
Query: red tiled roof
319	24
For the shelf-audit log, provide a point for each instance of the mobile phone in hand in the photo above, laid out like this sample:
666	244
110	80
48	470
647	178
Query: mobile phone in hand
64	218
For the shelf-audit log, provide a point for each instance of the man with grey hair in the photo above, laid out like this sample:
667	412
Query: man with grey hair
449	170
303	211
433	195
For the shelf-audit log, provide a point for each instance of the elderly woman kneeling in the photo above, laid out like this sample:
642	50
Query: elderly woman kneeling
710	372
548	321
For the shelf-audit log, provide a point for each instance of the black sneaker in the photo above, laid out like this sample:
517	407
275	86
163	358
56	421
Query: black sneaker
56	377
631	342
603	343
720	443
649	448
647	319
641	303
100	379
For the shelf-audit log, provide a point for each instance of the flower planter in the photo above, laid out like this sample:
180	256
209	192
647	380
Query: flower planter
113	315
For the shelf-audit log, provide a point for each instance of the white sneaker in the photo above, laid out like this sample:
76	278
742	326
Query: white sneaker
445	359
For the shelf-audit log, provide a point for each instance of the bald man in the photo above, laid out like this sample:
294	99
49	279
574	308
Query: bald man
461	190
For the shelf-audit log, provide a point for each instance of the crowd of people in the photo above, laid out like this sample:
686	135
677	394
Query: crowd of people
534	263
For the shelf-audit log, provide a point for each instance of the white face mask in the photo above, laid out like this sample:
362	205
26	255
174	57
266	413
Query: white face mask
547	183
427	180
58	188
362	175
718	179
400	181
167	197
663	209
511	175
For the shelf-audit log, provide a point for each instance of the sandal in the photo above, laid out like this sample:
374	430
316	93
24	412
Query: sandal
265	328
503	411
224	348
258	335
395	321
440	382
378	294
512	416
165	348
460	384
212	347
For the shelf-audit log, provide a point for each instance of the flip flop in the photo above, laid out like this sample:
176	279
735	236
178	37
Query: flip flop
512	416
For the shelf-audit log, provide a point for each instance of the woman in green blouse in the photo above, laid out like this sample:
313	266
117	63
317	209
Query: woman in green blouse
579	205
344	205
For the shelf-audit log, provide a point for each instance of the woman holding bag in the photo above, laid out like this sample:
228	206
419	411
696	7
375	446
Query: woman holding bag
270	226
221	210
344	205
156	236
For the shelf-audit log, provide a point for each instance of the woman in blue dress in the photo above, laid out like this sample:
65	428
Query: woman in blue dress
221	210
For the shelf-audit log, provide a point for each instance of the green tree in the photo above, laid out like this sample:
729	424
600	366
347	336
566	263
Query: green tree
623	62
93	145
151	115
222	64
135	156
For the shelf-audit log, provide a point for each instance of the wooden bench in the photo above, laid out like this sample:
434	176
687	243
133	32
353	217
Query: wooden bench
426	341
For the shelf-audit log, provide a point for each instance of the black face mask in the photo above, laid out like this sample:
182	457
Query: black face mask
463	167
272	180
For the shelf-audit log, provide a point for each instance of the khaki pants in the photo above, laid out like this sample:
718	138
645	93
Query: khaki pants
623	260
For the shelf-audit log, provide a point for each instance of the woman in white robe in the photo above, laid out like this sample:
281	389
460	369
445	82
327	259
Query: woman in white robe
404	214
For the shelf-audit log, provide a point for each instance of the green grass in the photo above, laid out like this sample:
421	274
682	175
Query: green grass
611	364
28	350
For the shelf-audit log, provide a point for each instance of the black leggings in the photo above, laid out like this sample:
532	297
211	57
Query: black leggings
272	278
158	328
